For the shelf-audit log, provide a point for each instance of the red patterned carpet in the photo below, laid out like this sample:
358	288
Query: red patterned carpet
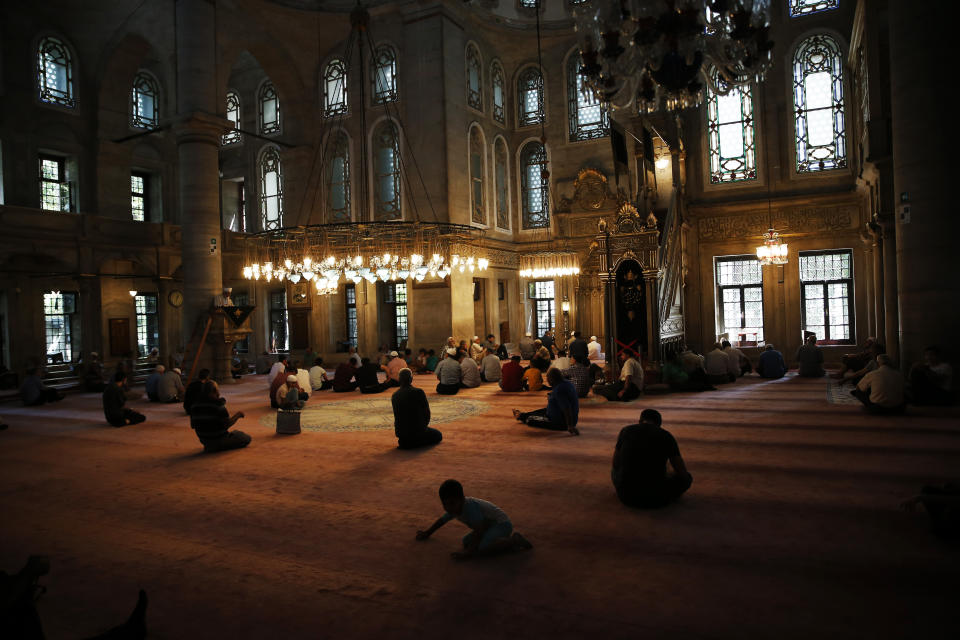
791	529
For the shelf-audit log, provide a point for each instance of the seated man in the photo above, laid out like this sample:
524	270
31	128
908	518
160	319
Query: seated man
278	367
881	391
739	364
810	359
170	388
579	375
318	376
194	390
630	385
490	368
211	420
393	367
432	362
562	410
290	396
449	373
114	400
771	364
343	377
857	361
639	471
263	364
853	376
411	415
932	381
303	377
717	365
532	379
153	383
562	361
367	378
511	375
469	373
277	382
527	348
593	349
34	392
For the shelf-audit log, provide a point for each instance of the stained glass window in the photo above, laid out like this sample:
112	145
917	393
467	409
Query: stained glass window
498	87
233	115
530	97
826	291
806	7
818	105
59	310
271	189
55	189
338	178
501	180
731	134
588	117
269	109
740	299
386	172
139	204
145	101
474	84
534	187
335	88
477	177
148	322
55	73
384	75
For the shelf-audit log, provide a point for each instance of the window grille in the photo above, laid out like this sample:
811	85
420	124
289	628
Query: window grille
384	75
338	178
139	203
499	92
55	73
271	189
148	322
395	298
269	109
351	292
55	192
588	116
542	295
800	8
819	105
474	81
731	135
530	97
826	292
335	88
740	299
477	177
279	332
233	115
145	102
59	310
386	172
534	188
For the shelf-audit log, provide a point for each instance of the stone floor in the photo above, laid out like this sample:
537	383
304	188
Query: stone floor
791	529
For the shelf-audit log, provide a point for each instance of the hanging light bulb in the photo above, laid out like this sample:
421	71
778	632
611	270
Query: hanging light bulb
773	250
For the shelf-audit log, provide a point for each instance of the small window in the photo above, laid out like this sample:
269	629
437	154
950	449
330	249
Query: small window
530	97
499	92
395	300
145	102
386	173
55	73
237	218
338	178
826	292
740	299
588	116
55	192
269	109
59	319
271	189
335	88
351	297
731	134
542	295
233	115
279	333
819	105
148	322
474	84
534	186
477	177
501	182
139	200
806	7
384	74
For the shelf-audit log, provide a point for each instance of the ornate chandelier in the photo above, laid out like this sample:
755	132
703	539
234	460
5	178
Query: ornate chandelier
773	250
663	52
549	264
374	251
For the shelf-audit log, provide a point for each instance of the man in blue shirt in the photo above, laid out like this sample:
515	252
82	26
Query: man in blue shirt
771	363
562	410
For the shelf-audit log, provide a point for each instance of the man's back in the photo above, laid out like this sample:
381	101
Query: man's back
113	401
470	373
170	386
563	398
771	364
209	419
491	367
367	375
511	376
411	412
717	363
578	349
579	375
644	451
886	386
810	359
448	371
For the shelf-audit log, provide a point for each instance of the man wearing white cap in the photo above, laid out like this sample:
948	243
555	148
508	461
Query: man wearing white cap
289	395
593	349
449	373
476	350
170	387
394	365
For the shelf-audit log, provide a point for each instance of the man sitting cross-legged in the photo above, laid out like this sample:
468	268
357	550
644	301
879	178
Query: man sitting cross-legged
211	420
511	376
881	390
449	373
562	410
492	532
640	464
114	400
411	415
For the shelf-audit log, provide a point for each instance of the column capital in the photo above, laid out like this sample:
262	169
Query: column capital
199	126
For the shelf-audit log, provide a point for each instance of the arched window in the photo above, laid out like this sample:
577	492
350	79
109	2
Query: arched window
144	101
474	86
530	97
386	172
500	183
233	115
55	73
477	177
271	189
335	88
731	134
384	75
806	7
534	186
588	117
269	109
499	97
818	105
338	178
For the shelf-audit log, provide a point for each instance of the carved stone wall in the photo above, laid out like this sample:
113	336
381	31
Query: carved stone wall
800	219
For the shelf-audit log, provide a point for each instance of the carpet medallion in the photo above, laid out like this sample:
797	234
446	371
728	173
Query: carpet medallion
375	414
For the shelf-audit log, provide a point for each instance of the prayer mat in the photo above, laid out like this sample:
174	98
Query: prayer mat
837	394
375	414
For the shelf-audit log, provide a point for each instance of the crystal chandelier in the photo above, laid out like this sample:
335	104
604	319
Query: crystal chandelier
661	53
773	250
549	264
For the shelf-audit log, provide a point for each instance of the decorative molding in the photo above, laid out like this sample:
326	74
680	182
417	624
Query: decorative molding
591	192
795	220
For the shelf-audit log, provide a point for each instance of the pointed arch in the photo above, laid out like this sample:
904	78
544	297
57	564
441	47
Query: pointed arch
498	92
337	177
819	105
145	101
55	72
385	171
270	171
474	76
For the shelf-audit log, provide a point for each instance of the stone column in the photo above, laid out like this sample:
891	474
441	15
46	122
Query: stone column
920	42
197	130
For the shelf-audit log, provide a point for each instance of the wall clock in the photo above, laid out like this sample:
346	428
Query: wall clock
175	298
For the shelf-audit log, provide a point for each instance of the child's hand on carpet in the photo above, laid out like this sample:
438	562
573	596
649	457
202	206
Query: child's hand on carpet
422	535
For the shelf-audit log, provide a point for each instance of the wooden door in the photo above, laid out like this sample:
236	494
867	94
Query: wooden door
119	337
299	329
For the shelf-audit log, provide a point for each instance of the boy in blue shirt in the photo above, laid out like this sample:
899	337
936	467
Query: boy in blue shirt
562	410
492	532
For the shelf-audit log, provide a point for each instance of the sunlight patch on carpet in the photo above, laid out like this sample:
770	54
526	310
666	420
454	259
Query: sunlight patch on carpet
375	414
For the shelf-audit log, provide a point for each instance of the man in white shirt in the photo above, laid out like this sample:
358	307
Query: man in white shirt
449	373
470	373
561	362
717	365
354	357
476	349
593	349
303	377
630	385
881	390
279	366
318	376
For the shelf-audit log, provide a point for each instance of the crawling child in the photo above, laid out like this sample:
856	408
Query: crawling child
492	532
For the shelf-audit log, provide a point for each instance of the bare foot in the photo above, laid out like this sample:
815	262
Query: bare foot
520	542
516	414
